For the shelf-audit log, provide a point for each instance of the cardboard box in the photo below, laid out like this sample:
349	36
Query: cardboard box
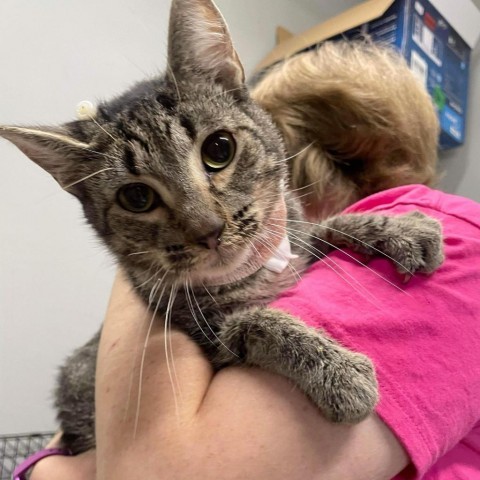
435	36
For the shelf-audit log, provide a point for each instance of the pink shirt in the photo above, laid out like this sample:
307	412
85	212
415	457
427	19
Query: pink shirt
424	340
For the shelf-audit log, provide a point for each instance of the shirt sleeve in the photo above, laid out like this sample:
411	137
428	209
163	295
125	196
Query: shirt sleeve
423	337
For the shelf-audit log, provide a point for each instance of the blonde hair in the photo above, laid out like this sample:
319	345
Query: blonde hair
360	119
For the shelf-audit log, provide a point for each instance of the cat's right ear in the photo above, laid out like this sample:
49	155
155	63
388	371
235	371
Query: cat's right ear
52	148
200	46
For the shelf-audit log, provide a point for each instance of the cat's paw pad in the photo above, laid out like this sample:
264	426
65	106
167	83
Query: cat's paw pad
350	390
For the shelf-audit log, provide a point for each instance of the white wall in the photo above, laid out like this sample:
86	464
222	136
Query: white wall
54	277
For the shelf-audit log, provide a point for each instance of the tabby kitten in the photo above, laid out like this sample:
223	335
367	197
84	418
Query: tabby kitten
184	178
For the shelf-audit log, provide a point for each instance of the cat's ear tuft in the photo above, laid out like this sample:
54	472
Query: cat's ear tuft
199	45
52	148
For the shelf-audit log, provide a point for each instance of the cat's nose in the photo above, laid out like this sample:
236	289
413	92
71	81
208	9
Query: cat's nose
214	237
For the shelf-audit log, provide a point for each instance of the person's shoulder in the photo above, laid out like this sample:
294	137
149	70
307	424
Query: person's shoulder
420	197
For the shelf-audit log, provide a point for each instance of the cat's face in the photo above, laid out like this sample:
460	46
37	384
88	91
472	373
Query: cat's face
182	175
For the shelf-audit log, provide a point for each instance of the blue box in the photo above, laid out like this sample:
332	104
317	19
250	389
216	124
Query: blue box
436	54
434	36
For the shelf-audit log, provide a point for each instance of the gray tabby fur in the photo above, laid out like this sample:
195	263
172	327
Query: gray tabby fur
153	134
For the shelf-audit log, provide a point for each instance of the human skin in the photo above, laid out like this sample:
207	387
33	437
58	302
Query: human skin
239	423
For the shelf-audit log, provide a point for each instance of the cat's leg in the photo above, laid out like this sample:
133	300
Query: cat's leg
413	241
340	382
75	397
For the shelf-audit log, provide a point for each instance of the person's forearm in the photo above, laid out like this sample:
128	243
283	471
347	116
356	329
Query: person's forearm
237	424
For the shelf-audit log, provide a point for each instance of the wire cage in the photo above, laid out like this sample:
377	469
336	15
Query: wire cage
15	448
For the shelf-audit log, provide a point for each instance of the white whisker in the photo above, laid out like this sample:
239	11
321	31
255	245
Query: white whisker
211	296
330	263
66	187
172	373
194	315
344	252
174	81
139	253
92	118
208	325
142	364
350	236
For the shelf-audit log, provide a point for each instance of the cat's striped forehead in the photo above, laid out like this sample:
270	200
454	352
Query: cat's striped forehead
159	130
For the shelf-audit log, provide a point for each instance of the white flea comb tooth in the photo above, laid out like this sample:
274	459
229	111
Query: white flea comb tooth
86	110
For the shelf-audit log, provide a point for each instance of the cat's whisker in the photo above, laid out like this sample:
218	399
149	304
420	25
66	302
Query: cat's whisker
330	263
333	265
223	92
354	238
293	190
66	187
208	325
133	365
92	118
170	364
153	291
209	294
106	155
175	382
271	248
149	278
192	310
344	252
298	197
174	81
284	160
142	362
139	253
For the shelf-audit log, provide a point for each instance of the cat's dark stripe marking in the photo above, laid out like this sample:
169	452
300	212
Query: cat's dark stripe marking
166	101
103	114
131	136
187	124
168	129
129	160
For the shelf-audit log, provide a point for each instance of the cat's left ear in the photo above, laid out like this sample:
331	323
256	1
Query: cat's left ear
199	44
52	148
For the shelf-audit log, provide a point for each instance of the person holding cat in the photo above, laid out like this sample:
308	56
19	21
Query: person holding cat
423	336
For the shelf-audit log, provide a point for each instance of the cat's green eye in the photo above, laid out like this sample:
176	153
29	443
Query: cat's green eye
218	150
138	198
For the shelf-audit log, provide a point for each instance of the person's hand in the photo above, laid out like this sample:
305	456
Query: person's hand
57	467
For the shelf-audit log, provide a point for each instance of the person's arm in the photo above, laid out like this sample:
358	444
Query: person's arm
237	424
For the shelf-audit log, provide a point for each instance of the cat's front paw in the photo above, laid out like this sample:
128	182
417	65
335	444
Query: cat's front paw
349	390
416	244
340	382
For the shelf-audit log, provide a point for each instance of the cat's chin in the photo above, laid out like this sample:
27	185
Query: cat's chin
233	266
246	263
